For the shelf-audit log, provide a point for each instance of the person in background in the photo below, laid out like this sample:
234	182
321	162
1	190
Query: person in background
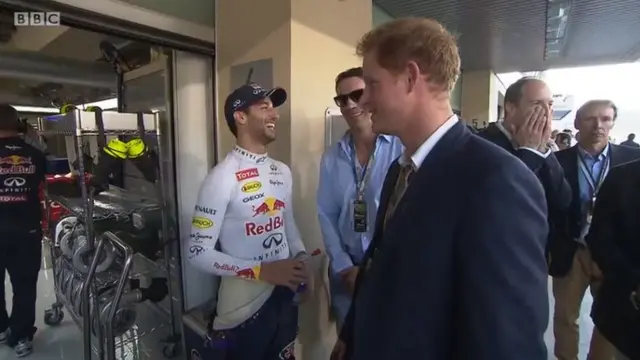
585	166
554	133
613	241
630	141
563	141
453	271
22	174
351	176
525	133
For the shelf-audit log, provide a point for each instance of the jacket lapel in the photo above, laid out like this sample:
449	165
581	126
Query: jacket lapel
493	134
385	196
617	155
448	145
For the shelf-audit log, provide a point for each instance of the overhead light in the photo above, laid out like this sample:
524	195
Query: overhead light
35	109
105	105
557	22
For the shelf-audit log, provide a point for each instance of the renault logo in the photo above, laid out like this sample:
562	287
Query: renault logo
14	182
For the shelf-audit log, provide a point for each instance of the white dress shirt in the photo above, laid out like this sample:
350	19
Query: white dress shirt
418	157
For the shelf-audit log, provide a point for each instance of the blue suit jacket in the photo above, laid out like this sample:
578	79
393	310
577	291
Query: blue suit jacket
459	273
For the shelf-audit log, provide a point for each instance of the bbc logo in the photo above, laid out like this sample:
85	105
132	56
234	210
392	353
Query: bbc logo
31	18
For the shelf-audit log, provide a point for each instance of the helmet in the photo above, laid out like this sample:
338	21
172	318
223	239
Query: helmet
67	108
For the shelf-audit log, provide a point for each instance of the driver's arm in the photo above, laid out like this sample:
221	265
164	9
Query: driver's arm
296	246
213	199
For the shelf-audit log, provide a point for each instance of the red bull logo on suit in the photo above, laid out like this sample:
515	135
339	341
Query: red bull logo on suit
253	229
270	206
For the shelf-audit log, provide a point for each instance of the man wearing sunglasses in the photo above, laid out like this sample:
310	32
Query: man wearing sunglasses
351	176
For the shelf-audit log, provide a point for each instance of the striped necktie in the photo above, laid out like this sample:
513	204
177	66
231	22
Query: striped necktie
402	183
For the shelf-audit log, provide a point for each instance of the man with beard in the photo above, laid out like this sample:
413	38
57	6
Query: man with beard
449	273
351	176
243	230
572	263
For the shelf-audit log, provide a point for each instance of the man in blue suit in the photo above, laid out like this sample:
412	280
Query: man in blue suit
456	270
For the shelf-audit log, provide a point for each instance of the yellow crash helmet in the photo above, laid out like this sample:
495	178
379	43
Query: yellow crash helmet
93	109
67	108
136	148
116	149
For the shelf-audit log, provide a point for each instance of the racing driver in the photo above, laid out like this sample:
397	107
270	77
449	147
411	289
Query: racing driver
243	230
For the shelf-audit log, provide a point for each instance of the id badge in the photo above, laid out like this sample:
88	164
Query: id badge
590	208
359	211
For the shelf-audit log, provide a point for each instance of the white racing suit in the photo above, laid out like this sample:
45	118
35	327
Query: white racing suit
244	217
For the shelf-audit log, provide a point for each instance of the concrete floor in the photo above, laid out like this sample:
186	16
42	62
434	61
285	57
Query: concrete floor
65	341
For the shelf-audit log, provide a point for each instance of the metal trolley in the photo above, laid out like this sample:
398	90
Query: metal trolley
93	264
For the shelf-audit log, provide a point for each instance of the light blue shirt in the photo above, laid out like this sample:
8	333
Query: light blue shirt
597	164
337	191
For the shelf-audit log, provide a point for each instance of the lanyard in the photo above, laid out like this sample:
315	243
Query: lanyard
362	178
594	184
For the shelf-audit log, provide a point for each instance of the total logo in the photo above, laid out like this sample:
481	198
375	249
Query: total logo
247	174
270	206
253	228
251	187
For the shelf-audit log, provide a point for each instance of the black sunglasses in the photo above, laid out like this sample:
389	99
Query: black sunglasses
343	99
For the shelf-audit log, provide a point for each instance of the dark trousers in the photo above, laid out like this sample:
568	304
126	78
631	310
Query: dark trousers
20	257
270	334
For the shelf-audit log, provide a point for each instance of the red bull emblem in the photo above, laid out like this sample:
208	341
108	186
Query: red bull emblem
247	274
247	174
270	206
15	164
15	160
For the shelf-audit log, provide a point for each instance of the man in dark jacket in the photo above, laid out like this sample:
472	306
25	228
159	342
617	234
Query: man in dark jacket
613	241
22	173
572	262
526	133
630	141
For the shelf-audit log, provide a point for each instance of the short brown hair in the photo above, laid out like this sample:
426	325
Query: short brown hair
349	73
424	41
590	103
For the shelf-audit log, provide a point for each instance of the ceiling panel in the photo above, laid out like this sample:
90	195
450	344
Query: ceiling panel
509	35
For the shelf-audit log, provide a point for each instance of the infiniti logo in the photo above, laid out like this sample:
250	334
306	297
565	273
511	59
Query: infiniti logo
14	182
273	238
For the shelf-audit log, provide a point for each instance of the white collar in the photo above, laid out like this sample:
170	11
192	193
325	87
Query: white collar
500	125
252	157
421	153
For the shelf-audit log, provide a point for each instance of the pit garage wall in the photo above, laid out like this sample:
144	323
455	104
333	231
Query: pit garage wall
479	97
